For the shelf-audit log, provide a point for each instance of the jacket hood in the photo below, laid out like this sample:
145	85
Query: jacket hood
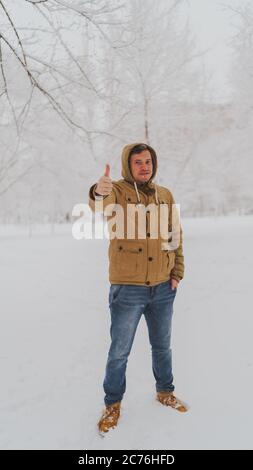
125	172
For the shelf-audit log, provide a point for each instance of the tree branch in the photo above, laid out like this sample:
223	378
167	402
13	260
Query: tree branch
35	2
15	31
56	106
56	31
6	88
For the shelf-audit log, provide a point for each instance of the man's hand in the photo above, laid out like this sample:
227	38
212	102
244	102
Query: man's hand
173	283
104	185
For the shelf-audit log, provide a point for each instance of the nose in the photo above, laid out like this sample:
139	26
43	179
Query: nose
144	167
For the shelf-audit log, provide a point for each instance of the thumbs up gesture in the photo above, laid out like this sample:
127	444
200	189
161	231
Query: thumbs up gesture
104	184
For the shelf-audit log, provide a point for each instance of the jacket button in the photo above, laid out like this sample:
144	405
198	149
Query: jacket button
140	249
129	199
120	247
148	234
150	258
148	282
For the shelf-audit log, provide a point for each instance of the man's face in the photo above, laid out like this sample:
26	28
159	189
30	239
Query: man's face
141	166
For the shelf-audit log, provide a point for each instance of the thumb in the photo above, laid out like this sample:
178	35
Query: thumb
107	170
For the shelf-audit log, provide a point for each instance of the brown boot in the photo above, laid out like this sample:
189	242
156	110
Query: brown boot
109	418
168	399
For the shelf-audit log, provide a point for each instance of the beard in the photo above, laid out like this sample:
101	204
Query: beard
145	188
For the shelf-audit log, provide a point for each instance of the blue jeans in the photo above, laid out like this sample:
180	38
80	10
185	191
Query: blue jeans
127	304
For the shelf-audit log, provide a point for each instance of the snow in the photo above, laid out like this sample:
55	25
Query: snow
55	336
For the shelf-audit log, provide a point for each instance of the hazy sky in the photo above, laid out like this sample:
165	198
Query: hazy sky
210	22
213	26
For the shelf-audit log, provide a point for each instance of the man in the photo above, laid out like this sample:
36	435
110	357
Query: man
144	277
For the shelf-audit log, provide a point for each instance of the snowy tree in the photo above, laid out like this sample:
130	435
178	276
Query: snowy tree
50	87
238	187
151	81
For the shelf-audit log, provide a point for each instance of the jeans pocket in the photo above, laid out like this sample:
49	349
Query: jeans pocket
174	291
114	292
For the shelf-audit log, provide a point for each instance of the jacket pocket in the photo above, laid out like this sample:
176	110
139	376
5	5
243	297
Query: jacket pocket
167	262
127	259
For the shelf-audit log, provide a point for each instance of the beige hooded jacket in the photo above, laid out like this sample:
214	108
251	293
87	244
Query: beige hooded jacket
142	259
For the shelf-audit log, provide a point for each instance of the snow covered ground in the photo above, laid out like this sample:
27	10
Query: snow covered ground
54	340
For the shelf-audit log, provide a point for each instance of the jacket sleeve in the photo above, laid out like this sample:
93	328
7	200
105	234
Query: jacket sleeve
178	269
100	204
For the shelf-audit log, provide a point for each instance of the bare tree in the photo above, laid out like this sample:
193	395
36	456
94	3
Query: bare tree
49	65
153	76
82	79
57	18
242	47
